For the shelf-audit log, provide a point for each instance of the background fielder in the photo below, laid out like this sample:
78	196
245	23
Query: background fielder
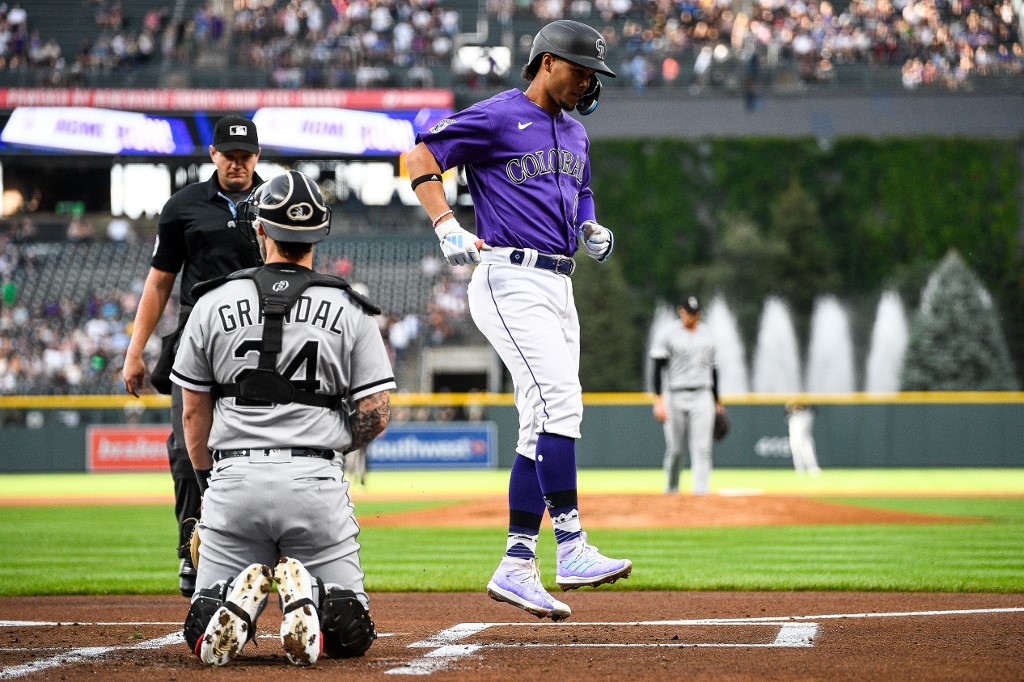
265	363
527	164
686	397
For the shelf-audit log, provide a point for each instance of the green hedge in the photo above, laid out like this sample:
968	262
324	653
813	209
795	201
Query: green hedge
879	214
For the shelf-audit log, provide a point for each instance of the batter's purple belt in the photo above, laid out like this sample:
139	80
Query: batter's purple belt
563	265
218	455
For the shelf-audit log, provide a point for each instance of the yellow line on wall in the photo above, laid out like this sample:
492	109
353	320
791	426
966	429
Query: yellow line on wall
70	402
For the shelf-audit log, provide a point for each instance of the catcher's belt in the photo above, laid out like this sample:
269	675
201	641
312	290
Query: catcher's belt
218	455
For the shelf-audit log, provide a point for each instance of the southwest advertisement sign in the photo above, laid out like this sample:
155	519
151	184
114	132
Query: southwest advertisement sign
421	445
127	448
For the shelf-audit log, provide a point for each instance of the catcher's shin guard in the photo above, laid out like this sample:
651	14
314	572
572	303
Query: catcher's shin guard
345	624
201	613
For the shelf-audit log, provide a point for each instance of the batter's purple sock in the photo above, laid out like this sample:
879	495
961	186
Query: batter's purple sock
556	471
525	509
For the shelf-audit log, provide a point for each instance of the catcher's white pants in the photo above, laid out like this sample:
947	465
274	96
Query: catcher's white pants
529	317
801	442
255	512
691	419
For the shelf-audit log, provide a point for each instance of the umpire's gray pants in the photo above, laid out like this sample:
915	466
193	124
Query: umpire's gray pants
256	512
691	419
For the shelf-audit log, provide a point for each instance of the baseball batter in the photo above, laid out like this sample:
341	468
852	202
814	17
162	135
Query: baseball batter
281	368
527	164
687	399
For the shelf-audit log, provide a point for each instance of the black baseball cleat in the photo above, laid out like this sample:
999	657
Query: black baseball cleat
187	577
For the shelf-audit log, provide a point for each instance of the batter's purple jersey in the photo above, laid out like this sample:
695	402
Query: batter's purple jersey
528	171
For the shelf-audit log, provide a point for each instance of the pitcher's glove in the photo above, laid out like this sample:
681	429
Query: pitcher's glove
597	240
721	424
458	246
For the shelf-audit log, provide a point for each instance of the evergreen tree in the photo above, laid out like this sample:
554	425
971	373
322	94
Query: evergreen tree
956	343
612	327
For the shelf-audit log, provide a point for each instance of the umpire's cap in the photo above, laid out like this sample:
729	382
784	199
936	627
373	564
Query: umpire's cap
291	209
236	133
572	41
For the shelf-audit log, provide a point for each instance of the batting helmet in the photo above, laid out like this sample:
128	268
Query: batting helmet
574	42
291	209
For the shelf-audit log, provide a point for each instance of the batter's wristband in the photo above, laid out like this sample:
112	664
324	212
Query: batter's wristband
429	177
437	221
203	476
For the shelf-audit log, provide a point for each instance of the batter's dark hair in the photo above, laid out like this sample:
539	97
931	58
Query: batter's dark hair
293	250
530	70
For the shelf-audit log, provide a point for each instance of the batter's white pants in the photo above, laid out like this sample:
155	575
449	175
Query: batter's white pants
529	317
801	442
255	512
691	418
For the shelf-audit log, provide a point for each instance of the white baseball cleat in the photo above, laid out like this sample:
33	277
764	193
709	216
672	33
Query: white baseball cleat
517	582
300	629
234	623
581	565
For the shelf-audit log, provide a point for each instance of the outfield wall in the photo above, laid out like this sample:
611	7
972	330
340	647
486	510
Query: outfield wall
49	434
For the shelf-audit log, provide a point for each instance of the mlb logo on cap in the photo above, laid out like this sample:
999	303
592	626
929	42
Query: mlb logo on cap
235	133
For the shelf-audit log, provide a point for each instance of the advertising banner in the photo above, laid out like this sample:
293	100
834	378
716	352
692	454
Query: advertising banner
421	445
127	448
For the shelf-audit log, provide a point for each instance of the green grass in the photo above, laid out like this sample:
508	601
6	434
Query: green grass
427	484
117	548
111	549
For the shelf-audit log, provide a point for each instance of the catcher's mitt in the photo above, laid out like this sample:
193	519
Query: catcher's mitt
721	424
193	545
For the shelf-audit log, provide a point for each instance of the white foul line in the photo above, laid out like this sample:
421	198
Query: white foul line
84	654
794	632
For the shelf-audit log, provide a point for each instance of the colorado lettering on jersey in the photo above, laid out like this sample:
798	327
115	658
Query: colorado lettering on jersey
234	316
544	162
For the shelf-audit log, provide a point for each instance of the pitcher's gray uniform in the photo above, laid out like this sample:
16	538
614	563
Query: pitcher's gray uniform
690	393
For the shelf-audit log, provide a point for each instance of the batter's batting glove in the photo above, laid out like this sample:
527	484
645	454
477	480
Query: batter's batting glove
597	240
458	246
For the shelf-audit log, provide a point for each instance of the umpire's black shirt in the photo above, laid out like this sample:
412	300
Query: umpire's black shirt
197	235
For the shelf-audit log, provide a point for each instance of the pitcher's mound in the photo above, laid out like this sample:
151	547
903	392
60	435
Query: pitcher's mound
668	511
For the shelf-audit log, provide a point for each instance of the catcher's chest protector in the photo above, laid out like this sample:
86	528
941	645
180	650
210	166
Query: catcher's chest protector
279	286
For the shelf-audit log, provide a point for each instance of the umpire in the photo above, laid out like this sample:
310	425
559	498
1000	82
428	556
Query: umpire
281	367
199	236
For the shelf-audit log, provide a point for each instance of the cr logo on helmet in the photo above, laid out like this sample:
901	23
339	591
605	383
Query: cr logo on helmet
301	211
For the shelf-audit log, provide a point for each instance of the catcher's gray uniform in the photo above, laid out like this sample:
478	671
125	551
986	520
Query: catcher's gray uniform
688	358
281	499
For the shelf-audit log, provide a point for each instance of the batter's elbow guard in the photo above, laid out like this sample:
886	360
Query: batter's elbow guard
345	624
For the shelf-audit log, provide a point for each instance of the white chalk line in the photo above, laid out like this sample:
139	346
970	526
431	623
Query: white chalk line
794	632
86	653
446	651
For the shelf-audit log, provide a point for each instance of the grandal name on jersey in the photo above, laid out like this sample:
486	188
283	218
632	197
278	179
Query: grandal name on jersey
240	314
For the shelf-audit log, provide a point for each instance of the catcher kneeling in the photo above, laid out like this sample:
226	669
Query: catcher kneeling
267	407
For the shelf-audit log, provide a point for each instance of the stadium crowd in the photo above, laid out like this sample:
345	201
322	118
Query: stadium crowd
695	43
74	343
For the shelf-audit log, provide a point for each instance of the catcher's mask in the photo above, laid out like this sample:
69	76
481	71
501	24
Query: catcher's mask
579	44
290	208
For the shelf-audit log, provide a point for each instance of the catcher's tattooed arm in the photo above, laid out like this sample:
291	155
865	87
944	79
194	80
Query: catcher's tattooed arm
197	420
369	419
